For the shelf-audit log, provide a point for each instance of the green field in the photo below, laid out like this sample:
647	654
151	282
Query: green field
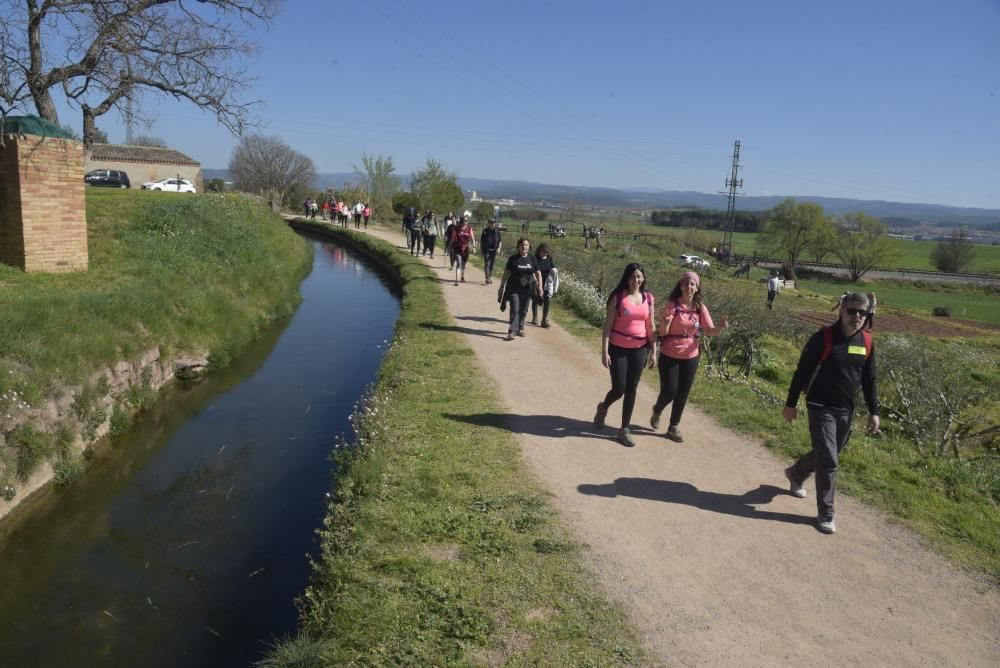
912	254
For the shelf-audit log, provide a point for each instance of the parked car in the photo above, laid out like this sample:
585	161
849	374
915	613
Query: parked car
693	261
171	186
107	178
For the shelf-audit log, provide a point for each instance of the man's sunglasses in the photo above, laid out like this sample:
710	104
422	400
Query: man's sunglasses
856	311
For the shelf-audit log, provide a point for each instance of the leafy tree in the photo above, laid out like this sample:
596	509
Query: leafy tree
270	167
216	185
402	201
483	211
437	188
380	182
822	239
786	231
864	244
955	253
147	140
104	53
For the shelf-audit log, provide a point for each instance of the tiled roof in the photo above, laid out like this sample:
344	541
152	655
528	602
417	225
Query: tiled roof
123	152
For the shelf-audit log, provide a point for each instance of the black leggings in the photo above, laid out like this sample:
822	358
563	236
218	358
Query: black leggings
626	370
676	379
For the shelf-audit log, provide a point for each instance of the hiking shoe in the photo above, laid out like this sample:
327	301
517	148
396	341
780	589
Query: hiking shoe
825	524
545	324
602	412
509	337
625	438
534	321
520	332
794	488
654	419
674	434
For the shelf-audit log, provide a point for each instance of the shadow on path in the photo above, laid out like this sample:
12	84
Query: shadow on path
462	330
550	426
669	491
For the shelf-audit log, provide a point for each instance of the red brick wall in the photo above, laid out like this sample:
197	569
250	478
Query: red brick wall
43	218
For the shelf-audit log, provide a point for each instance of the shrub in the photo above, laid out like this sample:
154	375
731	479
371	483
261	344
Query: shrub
942	311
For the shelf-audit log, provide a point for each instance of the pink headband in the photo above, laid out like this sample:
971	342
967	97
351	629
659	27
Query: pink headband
690	274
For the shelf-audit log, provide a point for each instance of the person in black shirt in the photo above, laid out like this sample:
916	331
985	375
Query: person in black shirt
830	385
491	243
516	286
545	266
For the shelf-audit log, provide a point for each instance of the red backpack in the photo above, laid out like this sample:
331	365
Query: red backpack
828	348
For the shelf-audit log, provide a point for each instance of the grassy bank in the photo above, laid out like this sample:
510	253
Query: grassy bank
438	547
186	274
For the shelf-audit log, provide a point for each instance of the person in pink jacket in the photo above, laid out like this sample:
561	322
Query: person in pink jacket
627	345
682	321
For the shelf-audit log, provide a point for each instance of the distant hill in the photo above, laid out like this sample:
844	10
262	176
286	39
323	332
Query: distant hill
530	192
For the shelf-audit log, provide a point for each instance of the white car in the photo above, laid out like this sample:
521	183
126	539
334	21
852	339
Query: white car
693	261
171	186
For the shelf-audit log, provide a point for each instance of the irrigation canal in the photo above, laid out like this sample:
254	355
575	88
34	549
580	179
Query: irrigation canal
185	543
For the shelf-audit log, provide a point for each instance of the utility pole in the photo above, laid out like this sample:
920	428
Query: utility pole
732	183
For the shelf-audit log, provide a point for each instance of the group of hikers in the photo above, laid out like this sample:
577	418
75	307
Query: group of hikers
637	334
836	361
339	211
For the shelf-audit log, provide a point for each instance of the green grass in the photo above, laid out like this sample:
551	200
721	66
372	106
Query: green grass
439	548
965	302
186	274
911	254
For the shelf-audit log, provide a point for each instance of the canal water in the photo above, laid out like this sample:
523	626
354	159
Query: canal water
186	542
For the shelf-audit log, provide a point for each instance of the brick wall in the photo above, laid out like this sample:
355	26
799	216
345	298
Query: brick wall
43	217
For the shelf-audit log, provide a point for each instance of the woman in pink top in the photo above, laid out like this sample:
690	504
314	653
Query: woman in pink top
682	320
628	344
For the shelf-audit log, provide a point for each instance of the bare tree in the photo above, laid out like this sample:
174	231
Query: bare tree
270	167
955	253
104	52
147	140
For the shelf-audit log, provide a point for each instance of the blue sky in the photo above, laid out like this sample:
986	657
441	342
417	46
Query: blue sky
872	99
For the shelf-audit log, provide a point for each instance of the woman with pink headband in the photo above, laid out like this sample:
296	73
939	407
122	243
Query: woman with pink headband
681	322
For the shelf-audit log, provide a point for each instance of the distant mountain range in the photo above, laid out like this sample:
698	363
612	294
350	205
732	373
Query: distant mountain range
529	192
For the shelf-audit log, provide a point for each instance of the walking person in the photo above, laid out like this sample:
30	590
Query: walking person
628	345
835	361
545	265
870	319
682	321
490	243
431	231
410	225
358	208
459	243
773	285
520	278
449	226
366	213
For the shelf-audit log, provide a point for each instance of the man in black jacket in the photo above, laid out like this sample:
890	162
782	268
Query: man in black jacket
490	243
835	361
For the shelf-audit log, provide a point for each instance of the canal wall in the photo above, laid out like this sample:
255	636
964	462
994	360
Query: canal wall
82	415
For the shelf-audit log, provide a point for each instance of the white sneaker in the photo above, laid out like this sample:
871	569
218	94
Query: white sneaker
795	488
825	524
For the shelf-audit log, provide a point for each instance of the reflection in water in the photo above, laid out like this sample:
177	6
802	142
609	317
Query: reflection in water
185	543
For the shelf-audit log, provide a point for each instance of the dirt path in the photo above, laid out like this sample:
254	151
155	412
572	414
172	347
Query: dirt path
714	561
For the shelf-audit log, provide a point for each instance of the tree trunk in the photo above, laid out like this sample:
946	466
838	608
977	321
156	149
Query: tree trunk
44	105
89	125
